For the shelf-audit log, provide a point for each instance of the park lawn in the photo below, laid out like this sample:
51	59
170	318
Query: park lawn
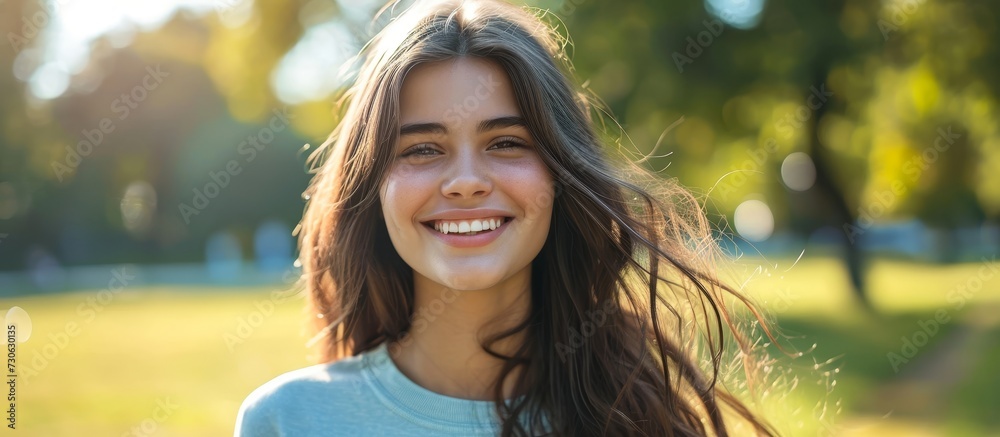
152	353
817	315
163	352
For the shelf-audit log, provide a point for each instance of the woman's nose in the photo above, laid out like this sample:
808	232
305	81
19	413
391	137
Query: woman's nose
467	175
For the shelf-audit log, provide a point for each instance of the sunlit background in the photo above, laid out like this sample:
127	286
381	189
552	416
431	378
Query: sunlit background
153	157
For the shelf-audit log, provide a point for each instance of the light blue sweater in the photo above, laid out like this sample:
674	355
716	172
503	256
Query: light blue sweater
365	395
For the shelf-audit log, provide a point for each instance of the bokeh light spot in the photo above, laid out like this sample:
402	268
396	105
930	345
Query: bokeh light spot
754	220
18	316
138	207
798	171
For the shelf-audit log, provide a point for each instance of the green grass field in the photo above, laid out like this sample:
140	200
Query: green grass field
178	362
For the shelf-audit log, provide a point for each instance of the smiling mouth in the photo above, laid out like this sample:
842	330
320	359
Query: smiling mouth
464	228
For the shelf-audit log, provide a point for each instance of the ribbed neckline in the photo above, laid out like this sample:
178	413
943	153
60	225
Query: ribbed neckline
416	403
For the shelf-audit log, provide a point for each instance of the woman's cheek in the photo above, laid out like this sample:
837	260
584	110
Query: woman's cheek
531	182
404	192
400	181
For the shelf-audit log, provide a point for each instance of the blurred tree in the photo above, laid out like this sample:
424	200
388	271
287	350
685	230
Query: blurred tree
747	101
864	88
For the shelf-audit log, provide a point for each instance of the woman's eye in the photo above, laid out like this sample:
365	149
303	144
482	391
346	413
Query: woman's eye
426	150
420	150
507	143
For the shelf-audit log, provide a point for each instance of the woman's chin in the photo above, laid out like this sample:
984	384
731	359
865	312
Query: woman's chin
471	279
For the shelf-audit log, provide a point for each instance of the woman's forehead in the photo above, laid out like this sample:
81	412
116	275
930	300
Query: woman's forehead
455	92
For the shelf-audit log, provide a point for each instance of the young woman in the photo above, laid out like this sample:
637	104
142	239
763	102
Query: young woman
480	266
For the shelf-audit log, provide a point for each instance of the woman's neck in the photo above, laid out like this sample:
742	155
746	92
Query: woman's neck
442	351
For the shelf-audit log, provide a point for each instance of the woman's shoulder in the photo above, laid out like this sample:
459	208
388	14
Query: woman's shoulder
300	394
315	379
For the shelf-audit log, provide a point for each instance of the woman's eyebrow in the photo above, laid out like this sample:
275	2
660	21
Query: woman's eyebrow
485	125
422	128
500	122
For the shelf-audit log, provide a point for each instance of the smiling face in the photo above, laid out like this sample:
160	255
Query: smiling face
463	154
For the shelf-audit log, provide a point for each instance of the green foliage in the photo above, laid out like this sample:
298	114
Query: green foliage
730	104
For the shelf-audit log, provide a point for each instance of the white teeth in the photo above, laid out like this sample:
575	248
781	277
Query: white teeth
470	227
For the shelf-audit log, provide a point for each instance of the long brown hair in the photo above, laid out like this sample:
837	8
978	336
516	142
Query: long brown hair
626	325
